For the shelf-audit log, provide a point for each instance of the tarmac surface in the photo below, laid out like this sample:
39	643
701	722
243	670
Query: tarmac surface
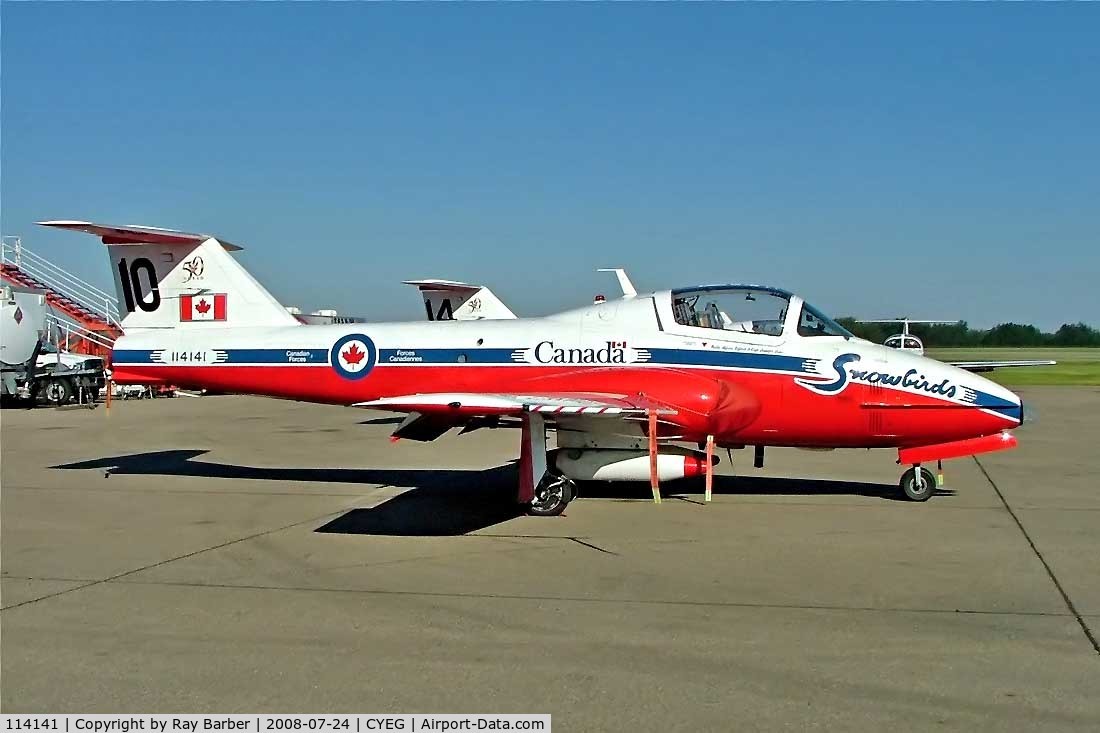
251	555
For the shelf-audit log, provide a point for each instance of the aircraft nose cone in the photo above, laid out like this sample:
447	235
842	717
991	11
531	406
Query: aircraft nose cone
1028	413
996	398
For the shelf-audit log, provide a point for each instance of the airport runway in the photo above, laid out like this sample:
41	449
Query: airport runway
250	555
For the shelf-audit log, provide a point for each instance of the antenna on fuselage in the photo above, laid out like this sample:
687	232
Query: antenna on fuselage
624	281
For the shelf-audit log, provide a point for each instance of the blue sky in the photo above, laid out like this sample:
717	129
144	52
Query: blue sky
936	160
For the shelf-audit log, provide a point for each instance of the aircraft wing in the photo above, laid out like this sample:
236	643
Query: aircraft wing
472	404
988	366
431	415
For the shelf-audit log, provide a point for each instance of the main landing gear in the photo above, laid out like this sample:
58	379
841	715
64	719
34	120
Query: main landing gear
918	483
552	495
543	490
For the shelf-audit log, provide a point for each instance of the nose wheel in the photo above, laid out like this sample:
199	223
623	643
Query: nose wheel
918	483
552	495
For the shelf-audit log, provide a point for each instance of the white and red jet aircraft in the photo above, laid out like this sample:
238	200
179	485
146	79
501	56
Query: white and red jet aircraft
624	383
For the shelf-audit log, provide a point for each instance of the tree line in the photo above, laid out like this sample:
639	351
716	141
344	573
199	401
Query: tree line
960	334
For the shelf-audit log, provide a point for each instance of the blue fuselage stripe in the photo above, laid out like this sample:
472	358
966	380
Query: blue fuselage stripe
674	357
737	360
998	404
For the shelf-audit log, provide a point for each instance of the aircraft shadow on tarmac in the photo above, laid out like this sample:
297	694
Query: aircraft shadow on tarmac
453	501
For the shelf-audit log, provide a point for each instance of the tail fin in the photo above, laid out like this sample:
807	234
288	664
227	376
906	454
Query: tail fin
170	279
446	300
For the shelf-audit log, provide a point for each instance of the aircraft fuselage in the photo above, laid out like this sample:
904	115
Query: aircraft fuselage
823	391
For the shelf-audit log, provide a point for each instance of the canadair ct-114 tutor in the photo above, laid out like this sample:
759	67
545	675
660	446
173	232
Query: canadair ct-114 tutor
641	387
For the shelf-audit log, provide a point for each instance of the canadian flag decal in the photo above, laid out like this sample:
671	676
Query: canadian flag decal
206	307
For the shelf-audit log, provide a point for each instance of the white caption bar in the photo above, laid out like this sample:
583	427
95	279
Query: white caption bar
361	723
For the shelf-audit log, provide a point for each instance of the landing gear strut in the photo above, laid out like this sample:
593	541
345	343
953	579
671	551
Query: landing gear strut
918	483
542	489
552	495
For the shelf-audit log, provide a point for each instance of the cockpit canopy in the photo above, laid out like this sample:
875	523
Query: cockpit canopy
750	309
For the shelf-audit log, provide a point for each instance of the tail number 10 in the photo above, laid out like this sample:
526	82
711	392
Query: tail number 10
138	293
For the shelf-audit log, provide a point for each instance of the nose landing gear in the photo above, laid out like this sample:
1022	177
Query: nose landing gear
917	483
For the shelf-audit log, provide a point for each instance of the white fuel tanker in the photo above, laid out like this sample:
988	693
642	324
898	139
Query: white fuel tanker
22	321
30	367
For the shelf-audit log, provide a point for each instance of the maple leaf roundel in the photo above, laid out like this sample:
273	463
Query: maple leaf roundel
353	356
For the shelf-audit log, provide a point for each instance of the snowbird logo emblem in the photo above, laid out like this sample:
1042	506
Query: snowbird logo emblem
353	356
911	380
839	382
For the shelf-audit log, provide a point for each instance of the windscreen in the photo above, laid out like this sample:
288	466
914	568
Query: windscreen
813	322
740	310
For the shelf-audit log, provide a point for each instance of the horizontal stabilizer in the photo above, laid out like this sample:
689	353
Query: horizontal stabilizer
451	286
132	234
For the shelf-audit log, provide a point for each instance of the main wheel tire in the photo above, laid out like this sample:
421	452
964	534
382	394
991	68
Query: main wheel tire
57	392
552	495
918	484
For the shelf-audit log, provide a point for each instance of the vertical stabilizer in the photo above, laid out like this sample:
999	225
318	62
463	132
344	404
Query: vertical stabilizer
170	279
446	300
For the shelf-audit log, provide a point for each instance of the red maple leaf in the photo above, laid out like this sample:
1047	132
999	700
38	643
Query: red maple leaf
203	306
353	355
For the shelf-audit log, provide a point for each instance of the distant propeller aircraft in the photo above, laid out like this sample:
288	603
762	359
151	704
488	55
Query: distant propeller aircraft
906	341
641	387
